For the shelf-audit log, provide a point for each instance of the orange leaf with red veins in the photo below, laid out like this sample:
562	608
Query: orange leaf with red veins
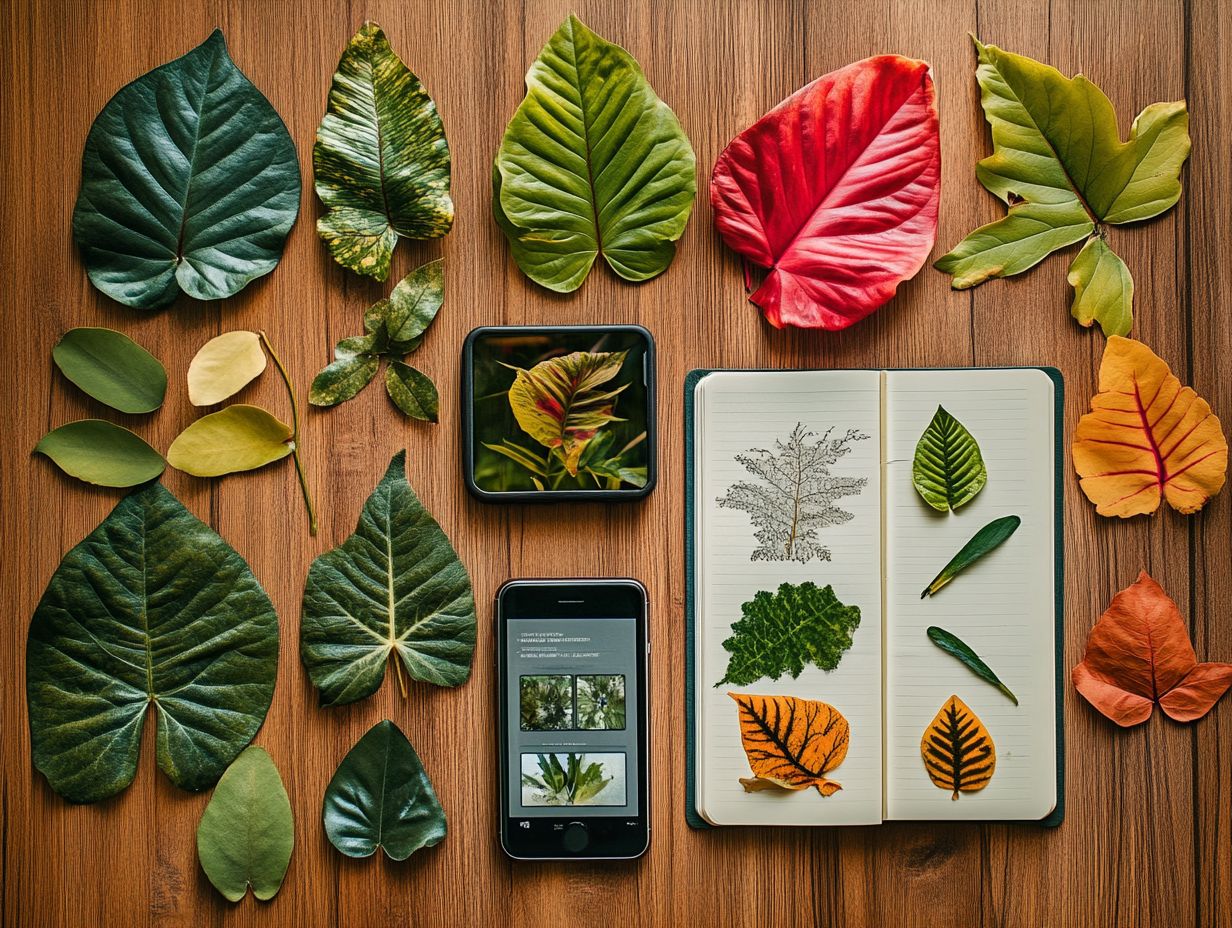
1147	437
1139	654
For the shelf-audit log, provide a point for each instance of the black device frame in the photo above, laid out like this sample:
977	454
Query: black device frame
621	837
556	496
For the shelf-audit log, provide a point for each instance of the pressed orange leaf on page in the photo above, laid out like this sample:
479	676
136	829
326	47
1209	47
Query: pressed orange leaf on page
1139	654
791	743
1147	438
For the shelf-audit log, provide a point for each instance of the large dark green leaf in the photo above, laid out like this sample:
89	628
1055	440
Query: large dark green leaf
948	469
189	182
381	160
151	610
395	586
381	797
112	368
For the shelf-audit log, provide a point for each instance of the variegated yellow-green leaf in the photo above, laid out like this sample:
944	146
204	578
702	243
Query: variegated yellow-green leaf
224	366
240	437
412	391
412	305
343	379
948	469
592	163
112	368
380	161
101	452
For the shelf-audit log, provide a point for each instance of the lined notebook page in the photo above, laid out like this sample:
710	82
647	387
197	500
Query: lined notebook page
736	412
1003	606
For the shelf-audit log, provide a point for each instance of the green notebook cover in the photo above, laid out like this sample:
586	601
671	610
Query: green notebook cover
690	385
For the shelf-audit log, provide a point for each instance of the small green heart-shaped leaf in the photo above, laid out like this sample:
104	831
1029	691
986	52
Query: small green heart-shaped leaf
948	469
112	368
101	452
237	438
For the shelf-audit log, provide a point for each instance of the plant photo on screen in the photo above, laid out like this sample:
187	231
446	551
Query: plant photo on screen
546	702
601	701
573	779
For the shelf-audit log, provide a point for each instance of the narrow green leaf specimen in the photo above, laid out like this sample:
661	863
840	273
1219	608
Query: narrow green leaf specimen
381	797
395	587
412	391
151	612
952	644
240	437
246	834
102	453
784	631
948	469
592	163
189	182
381	161
112	368
983	541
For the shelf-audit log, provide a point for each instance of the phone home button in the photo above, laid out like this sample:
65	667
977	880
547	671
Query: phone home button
575	838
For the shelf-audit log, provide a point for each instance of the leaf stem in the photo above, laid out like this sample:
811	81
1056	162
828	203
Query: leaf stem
299	464
397	661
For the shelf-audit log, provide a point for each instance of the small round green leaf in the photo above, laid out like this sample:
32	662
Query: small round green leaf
948	469
344	378
412	391
224	366
237	438
112	368
101	452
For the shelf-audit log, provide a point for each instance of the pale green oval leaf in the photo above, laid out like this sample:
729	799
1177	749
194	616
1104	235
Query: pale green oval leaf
380	160
237	438
381	797
344	378
592	163
189	182
412	391
981	543
246	834
224	366
102	453
151	612
395	586
1103	288
948	469
112	368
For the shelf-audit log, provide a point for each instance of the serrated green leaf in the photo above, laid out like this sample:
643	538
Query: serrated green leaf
101	453
395	586
780	633
151	612
380	161
1103	288
592	163
189	182
240	437
112	368
223	366
948	469
952	644
381	797
343	379
412	391
981	543
246	833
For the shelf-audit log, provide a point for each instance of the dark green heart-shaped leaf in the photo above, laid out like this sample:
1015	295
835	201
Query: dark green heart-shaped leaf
381	797
412	391
112	368
396	586
246	834
948	469
151	612
381	161
240	437
102	453
592	163
189	182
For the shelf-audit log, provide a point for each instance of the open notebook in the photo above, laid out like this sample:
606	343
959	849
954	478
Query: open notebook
884	548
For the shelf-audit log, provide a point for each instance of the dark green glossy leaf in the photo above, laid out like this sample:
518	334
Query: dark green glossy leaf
952	644
102	453
189	182
395	587
983	541
344	378
112	368
381	161
152	612
948	469
412	391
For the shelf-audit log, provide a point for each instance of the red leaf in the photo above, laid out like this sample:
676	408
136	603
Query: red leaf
835	190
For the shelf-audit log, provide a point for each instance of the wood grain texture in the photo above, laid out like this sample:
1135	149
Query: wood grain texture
1148	828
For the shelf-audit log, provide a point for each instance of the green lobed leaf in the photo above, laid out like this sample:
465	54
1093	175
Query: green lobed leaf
223	366
592	163
151	612
101	453
381	797
1103	288
380	161
246	834
189	182
948	469
240	437
412	391
981	543
395	586
780	633
952	644
112	368
344	378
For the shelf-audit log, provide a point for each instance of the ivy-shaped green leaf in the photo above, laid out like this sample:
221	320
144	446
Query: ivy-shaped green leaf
948	469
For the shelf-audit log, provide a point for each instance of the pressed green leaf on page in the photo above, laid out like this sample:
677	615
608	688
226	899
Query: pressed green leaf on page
240	437
112	368
981	543
952	644
948	469
101	452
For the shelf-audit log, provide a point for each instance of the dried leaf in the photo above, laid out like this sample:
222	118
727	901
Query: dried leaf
1139	654
791	742
952	644
112	368
958	752
224	366
981	543
237	438
948	469
1146	438
102	453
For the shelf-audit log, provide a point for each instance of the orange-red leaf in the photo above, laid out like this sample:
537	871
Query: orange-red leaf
791	742
1139	654
1147	437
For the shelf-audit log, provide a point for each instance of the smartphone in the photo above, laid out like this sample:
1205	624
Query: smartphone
572	697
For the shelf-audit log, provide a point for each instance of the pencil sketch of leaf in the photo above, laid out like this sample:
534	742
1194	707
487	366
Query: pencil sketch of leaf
794	494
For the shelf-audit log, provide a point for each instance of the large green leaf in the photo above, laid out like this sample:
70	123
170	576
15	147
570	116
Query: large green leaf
189	182
381	797
395	586
381	161
152	611
102	453
240	437
592	163
112	368
1059	163
948	469
246	834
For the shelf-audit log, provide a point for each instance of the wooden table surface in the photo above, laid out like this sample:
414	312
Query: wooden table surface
1147	838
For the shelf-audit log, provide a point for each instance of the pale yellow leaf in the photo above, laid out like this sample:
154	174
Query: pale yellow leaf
224	366
240	437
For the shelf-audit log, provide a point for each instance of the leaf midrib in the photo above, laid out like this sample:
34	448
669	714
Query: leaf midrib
590	171
192	163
